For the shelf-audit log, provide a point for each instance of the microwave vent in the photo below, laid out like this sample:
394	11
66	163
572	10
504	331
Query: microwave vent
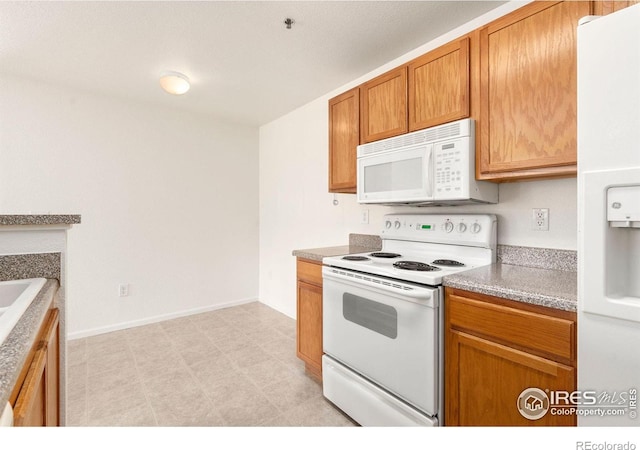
435	134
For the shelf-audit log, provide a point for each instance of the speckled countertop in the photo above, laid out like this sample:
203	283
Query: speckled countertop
39	219
358	243
539	276
31	265
316	254
14	351
545	287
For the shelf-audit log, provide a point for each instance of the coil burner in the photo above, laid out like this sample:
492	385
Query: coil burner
356	258
447	262
414	265
385	255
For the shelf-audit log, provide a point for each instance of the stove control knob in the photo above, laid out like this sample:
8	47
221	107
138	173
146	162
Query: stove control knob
475	228
387	224
397	224
462	227
447	226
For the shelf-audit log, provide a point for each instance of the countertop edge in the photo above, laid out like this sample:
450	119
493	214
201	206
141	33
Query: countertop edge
14	351
39	219
316	254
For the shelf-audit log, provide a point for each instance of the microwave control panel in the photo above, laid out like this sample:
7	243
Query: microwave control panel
451	166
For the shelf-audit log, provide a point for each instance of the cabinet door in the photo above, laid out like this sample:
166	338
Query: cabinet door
528	92
485	379
309	326
383	106
38	401
439	86
344	137
605	7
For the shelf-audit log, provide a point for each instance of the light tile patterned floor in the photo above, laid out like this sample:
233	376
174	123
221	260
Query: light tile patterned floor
232	367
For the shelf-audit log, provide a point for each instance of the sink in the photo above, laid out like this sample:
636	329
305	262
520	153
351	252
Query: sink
15	298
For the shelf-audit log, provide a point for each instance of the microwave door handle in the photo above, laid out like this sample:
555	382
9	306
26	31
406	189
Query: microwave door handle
430	175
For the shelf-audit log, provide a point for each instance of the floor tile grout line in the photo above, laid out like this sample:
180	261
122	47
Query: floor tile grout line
86	386
146	397
204	391
79	343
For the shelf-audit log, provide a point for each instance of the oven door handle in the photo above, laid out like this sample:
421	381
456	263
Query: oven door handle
399	288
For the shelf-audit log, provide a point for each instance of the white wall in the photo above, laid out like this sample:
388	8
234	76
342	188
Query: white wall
296	211
169	201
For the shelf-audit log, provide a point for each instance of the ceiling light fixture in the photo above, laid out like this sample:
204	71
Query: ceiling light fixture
288	22
174	83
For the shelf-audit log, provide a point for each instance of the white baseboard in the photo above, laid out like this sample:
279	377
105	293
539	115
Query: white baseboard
155	319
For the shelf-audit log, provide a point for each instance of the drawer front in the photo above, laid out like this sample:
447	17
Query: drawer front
309	271
540	334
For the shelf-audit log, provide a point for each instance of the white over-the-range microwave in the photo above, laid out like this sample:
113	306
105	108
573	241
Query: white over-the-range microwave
430	167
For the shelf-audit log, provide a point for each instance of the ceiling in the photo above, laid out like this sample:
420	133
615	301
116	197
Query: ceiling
244	64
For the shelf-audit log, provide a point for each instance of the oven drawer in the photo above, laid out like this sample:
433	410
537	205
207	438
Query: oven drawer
365	402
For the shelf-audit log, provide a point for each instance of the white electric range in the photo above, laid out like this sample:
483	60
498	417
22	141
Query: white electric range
383	316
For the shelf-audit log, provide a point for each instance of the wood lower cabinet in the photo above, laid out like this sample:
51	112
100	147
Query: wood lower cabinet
495	349
309	316
528	85
344	137
37	402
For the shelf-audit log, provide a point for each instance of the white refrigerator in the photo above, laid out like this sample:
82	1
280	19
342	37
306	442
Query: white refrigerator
609	219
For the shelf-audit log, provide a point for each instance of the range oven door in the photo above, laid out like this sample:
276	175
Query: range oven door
385	330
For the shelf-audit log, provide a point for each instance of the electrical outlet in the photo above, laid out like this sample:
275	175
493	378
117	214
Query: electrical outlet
540	219
123	290
364	218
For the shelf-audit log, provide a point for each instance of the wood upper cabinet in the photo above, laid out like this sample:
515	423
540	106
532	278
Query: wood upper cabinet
430	90
37	403
495	349
309	316
604	7
344	137
516	76
439	86
528	92
383	106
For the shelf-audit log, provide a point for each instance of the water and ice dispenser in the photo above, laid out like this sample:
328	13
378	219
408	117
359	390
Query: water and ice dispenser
623	206
611	247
